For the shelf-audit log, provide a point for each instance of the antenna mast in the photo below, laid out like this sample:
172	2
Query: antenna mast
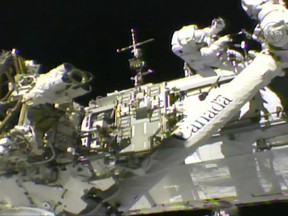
137	64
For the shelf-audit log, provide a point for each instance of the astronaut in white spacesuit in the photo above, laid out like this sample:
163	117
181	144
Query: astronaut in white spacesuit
203	51
271	31
208	55
272	17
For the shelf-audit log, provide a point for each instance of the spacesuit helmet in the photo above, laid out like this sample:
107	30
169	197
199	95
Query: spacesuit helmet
218	24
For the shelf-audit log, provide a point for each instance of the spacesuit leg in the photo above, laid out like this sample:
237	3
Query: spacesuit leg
272	103
266	103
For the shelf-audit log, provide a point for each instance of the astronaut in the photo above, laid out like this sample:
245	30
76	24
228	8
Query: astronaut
272	17
207	55
271	31
203	51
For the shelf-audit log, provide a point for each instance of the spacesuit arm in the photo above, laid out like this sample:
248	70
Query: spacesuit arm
215	47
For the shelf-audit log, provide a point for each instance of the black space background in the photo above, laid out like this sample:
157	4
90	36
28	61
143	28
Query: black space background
87	33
